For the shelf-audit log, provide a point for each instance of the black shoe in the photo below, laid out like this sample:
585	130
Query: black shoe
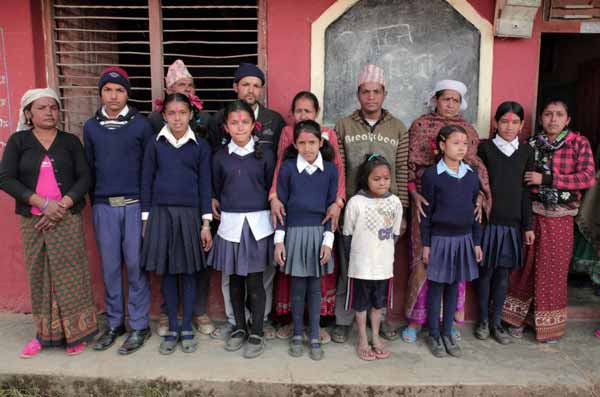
436	346
482	331
500	334
340	333
135	340
108	338
452	348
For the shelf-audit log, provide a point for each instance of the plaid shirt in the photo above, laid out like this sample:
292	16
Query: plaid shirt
573	165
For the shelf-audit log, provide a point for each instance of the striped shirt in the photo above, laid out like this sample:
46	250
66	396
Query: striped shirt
112	124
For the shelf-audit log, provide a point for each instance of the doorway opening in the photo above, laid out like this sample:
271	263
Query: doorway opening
570	70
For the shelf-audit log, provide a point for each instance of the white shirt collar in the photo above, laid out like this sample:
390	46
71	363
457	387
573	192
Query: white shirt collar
302	164
256	111
123	112
177	143
232	147
463	168
508	148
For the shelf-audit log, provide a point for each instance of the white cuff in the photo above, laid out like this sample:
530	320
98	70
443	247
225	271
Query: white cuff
328	239
145	215
207	217
279	236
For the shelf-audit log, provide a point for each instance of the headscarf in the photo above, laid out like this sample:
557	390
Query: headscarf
453	85
31	96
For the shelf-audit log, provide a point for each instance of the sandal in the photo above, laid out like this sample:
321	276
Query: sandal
387	333
316	352
269	331
296	349
380	352
598	332
340	333
204	324
456	335
365	355
409	335
163	325
285	331
188	345
75	350
167	346
236	340
31	349
516	332
222	332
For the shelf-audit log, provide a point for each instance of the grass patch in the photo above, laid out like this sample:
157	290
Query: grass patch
19	392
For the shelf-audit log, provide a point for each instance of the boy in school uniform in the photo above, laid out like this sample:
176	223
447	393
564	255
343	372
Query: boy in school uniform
114	140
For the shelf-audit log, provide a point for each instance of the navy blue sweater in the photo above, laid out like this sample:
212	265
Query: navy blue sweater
451	205
306	197
241	184
177	176
115	156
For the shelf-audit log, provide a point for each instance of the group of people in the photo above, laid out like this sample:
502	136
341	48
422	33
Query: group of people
301	220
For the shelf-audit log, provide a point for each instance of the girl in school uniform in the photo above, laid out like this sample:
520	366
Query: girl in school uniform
506	161
176	210
243	247
305	106
371	228
451	235
307	186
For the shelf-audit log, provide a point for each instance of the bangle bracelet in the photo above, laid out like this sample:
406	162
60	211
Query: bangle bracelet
45	205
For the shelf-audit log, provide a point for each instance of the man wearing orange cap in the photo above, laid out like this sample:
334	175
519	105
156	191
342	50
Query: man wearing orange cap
179	80
370	129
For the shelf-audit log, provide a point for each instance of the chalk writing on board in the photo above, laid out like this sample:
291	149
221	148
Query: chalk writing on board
415	42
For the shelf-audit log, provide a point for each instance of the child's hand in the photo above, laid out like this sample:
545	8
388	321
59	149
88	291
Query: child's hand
325	254
533	178
529	237
206	238
419	201
280	254
426	251
333	214
478	253
479	208
216	209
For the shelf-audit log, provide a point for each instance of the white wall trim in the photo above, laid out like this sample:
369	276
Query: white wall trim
486	54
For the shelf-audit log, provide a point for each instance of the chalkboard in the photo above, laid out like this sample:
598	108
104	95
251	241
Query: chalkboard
416	42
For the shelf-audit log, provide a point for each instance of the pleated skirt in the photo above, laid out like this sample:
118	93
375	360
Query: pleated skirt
303	248
502	246
452	259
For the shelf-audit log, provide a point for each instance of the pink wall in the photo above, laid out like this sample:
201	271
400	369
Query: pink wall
288	63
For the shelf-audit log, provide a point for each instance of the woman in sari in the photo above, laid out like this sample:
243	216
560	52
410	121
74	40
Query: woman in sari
45	171
564	166
447	101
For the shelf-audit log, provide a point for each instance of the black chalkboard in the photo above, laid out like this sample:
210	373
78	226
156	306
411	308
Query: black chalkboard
416	42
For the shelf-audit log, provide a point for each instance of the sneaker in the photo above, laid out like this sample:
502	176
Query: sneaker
316	352
75	350
296	349
255	346
236	340
436	346
482	331
31	349
500	335
163	325
452	347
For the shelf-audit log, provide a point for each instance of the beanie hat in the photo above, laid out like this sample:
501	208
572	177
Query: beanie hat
248	69
116	75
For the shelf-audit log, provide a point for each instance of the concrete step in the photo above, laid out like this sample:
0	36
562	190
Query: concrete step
569	368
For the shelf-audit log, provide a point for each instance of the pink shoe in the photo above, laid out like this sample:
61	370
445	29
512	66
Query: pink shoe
598	332
31	349
75	350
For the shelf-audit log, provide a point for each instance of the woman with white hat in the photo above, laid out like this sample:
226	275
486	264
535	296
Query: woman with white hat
446	101
45	170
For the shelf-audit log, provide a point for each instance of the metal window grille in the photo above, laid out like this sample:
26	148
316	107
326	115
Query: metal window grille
144	37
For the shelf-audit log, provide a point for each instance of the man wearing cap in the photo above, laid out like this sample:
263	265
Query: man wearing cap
248	83
370	129
179	80
114	140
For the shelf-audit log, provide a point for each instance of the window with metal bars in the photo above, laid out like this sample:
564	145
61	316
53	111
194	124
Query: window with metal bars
144	37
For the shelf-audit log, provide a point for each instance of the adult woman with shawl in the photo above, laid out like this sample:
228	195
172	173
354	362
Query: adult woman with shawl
447	101
564	166
45	170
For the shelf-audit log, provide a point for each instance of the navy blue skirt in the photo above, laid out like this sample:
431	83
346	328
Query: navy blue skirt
172	241
452	259
247	256
502	246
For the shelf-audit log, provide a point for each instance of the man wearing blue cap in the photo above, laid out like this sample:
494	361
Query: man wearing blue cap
248	83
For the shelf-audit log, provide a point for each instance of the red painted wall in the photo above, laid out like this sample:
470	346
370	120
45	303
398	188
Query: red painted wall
288	62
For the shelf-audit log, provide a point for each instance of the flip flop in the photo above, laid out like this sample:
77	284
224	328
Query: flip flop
598	332
409	335
367	355
380	352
